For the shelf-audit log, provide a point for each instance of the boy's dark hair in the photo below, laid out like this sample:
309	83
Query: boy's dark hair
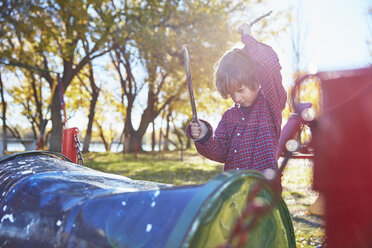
233	70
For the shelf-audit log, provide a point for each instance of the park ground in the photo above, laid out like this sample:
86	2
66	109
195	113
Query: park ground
190	168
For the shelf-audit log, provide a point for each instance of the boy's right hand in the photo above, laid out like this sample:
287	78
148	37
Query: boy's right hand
244	28
198	130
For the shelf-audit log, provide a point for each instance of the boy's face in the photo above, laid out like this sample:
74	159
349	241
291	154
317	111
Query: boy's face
244	96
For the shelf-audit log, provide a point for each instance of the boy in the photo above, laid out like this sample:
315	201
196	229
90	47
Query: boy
248	133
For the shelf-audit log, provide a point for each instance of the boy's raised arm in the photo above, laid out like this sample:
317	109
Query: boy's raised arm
268	72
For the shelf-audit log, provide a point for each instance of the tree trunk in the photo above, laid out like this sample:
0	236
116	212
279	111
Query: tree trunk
55	141
153	140
106	142
88	135
160	138
126	141
133	138
92	107
166	135
135	143
38	102
3	114
55	135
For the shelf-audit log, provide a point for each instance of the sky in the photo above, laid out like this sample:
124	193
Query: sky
337	33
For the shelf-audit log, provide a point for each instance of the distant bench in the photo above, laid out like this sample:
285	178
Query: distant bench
29	144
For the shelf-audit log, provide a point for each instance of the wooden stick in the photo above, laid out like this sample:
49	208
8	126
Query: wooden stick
259	18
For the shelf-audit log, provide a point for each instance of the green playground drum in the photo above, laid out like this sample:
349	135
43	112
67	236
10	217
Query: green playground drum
210	216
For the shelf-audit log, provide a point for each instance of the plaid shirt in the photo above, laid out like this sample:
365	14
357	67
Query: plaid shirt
247	138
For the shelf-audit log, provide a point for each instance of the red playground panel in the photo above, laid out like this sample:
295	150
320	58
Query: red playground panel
342	139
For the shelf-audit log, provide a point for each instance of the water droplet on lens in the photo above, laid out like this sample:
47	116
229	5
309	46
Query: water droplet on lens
269	174
157	193
258	201
308	114
291	145
148	227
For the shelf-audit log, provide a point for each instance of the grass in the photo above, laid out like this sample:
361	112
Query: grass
167	167
164	167
298	195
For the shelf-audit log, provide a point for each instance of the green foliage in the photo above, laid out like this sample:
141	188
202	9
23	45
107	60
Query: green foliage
43	37
78	95
28	94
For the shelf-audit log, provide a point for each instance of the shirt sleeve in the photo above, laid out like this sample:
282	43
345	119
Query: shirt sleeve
268	74
215	148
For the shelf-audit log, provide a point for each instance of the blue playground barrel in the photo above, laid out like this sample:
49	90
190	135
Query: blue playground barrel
48	201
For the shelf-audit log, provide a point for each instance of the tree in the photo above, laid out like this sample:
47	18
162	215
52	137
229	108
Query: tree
48	36
94	91
157	31
30	95
145	39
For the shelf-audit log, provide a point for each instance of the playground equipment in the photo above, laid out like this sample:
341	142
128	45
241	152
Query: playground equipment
342	140
71	145
48	201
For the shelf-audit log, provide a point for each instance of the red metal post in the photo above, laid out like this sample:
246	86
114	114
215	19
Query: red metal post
68	143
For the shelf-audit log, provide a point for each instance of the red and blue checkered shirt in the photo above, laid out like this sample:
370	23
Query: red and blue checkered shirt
247	138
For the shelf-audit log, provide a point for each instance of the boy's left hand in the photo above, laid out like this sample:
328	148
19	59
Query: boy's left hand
198	130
